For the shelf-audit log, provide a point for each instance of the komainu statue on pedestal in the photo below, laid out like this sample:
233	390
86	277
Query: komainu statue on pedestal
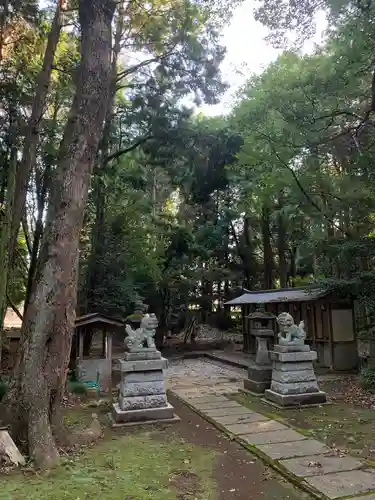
290	333
142	337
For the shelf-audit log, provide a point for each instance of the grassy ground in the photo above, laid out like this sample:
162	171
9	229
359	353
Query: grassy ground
132	466
345	427
189	460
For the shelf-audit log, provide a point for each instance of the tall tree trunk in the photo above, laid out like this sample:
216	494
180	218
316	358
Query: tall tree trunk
282	247
33	401
6	219
41	187
32	131
95	267
267	249
293	266
5	223
248	253
42	181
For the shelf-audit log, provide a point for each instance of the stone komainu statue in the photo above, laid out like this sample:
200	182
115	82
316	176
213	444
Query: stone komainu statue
290	333
144	335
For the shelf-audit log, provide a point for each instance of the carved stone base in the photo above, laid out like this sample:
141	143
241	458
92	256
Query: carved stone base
146	354
293	378
142	395
296	400
146	415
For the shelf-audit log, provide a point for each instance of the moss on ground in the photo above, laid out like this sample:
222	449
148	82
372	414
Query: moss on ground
340	425
140	465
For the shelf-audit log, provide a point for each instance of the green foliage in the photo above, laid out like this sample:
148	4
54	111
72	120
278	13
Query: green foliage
368	378
183	210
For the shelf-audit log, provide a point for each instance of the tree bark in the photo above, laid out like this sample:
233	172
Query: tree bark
249	270
5	222
282	247
95	268
268	265
34	398
32	131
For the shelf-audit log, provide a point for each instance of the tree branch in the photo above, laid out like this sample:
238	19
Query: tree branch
27	235
307	196
14	307
124	151
143	64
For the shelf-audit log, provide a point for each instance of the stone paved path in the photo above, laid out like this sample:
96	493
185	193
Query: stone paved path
308	461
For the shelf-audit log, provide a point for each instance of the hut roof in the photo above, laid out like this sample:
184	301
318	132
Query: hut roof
92	318
306	294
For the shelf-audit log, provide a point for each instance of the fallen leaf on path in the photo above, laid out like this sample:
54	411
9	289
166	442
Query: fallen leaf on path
314	464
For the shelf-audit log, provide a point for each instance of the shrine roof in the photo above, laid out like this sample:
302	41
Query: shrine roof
306	294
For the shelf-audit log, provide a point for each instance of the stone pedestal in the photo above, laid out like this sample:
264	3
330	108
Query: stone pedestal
142	395
293	378
259	374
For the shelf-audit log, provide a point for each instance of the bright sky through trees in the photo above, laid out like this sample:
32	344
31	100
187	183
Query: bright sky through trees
248	52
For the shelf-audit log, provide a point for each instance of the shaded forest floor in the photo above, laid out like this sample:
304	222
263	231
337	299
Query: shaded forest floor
190	460
347	424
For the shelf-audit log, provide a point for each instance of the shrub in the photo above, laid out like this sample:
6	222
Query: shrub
78	388
368	378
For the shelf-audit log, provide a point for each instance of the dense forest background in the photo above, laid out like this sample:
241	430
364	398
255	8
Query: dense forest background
185	210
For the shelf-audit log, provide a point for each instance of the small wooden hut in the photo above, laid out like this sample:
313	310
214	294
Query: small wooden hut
329	321
92	347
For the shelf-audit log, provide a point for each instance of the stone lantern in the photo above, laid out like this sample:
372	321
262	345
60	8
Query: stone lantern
260	372
140	309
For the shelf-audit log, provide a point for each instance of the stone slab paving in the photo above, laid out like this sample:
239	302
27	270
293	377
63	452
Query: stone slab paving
281	451
227	412
208	400
273	437
309	461
215	405
252	427
344	484
317	465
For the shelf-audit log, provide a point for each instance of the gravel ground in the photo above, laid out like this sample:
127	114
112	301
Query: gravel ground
203	369
198	377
